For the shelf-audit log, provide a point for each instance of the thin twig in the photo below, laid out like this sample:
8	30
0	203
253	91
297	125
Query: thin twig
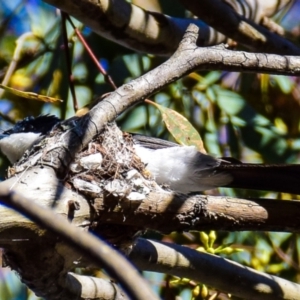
64	16
107	77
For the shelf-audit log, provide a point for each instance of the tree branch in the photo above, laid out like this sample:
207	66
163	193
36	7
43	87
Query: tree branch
156	33
200	212
134	27
223	18
93	288
212	270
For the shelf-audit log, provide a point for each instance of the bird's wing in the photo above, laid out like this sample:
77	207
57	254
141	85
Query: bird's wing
151	142
270	177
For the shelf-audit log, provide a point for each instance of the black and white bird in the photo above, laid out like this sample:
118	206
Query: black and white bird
15	141
183	168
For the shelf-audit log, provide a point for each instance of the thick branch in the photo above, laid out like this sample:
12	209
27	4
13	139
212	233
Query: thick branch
93	288
189	58
134	27
212	270
224	19
256	11
167	212
156	33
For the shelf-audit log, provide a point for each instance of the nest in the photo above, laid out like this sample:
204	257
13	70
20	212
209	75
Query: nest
108	164
108	169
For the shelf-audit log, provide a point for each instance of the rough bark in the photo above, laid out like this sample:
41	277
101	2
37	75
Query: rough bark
216	271
156	33
240	28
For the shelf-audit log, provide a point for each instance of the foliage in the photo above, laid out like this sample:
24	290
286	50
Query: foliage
252	117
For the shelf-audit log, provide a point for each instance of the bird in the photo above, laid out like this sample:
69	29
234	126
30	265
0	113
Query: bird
193	171
182	168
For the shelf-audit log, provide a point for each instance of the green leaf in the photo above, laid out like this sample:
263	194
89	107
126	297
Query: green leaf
181	129
285	83
29	95
230	102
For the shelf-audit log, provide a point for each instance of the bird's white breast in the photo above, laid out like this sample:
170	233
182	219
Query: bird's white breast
183	168
15	145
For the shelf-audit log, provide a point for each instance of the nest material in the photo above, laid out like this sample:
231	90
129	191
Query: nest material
109	164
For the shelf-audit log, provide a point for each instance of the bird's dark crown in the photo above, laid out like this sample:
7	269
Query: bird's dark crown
41	124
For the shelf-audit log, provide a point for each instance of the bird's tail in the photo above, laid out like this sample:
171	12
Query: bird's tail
270	177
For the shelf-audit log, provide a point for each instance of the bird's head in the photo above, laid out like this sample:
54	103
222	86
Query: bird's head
15	141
